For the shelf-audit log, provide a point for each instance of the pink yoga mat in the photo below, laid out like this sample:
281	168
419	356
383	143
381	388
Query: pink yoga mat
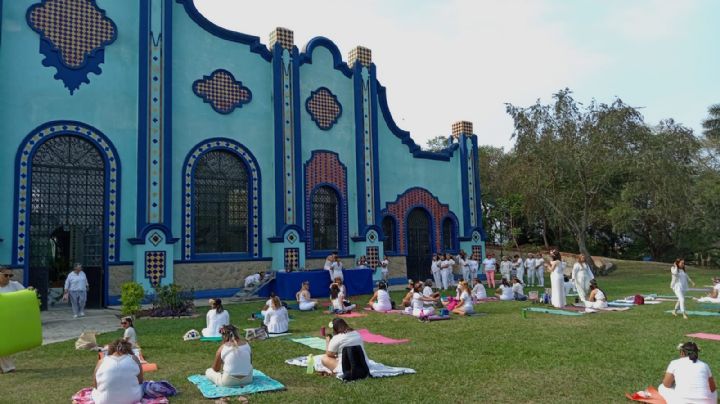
703	335
385	312
347	315
367	336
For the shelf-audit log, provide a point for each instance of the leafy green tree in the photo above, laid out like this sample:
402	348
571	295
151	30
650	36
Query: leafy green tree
436	144
711	125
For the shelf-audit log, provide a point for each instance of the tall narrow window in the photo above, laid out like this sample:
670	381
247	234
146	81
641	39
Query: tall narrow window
221	203
447	234
325	219
388	227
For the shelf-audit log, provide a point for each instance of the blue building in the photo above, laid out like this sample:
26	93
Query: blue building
149	144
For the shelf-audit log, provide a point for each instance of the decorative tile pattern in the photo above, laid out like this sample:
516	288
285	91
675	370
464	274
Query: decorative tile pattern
155	267
254	172
73	36
368	159
360	54
283	36
155	238
288	134
477	252
462	127
324	108
155	115
372	254
222	91
28	148
472	203
292	258
324	167
412	198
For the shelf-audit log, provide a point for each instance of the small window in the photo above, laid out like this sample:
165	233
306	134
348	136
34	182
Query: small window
325	219
447	234
388	228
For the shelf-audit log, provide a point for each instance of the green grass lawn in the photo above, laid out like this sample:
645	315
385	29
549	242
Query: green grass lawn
498	357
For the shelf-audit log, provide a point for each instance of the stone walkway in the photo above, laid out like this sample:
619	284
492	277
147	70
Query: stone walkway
58	324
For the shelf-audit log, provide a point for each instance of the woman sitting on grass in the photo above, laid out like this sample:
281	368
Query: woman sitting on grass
478	290
276	317
518	291
380	301
714	295
305	303
339	304
596	299
233	360
129	335
465	303
417	303
344	337
505	291
118	376
216	317
692	379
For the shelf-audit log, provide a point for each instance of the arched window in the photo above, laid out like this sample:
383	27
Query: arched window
221	203
325	219
388	228
447	234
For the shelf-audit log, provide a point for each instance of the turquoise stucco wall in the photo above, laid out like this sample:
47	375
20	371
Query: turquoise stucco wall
31	97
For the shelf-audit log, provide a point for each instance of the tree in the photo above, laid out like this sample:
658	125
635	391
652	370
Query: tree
711	125
436	144
575	158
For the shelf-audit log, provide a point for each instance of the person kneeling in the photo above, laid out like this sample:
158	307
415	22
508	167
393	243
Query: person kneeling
233	360
340	347
118	376
276	317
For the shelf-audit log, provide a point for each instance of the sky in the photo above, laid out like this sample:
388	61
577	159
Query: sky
448	60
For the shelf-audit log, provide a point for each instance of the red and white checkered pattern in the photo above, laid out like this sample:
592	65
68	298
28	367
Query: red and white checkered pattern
282	35
462	127
360	54
324	108
414	198
223	91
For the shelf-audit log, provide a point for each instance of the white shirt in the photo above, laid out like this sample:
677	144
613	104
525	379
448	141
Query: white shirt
427	291
473	265
252	279
539	263
467	302
130	336
340	341
383	298
328	265
600	296
691	380
446	264
506	292
435	266
517	288
117	381
214	322
76	282
276	320
237	359
417	302
530	263
518	263
506	267
479	291
384	265
489	264
13	286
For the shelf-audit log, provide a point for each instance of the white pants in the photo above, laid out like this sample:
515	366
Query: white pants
379	307
466	274
708	299
305	306
540	273
680	293
437	278
226	380
671	398
446	275
521	274
7	364
425	311
77	300
531	276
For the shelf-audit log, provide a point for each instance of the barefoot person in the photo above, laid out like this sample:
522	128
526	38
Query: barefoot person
692	379
581	276
7	285
276	317
597	298
465	304
305	302
679	285
380	301
557	280
714	295
343	337
233	360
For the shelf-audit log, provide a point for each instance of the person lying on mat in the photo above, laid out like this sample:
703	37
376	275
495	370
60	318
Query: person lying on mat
339	303
505	291
692	379
215	318
233	360
303	298
118	376
478	290
714	296
344	337
596	299
465	303
380	301
276	317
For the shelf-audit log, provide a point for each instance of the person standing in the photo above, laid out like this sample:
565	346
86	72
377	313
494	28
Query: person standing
473	264
519	267
581	275
530	269
679	285
464	267
7	285
540	270
337	269
385	268
489	264
76	288
446	271
557	280
329	264
506	268
435	270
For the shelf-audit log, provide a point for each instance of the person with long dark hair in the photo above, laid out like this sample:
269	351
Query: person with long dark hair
215	318
233	360
557	279
679	285
344	336
380	301
688	379
597	299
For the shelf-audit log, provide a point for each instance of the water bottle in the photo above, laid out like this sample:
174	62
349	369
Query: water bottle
310	364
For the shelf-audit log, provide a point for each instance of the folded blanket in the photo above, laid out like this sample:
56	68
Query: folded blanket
84	396
700	313
552	311
312	342
703	335
369	337
376	369
261	382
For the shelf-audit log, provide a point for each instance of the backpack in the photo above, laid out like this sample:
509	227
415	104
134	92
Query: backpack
639	299
354	364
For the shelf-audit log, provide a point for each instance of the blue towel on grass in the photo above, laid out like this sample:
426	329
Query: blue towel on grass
553	311
700	313
312	342
620	304
261	382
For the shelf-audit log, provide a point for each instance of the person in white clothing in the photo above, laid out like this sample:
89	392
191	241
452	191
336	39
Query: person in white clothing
679	285
253	279
518	291
597	299
276	317
489	265
519	268
463	264
714	295
339	302
215	318
505	291
305	301
688	379
76	288
473	265
557	279
337	269
362	263
7	364
540	270
118	376
344	337
385	268
465	302
530	269
478	290
435	270
328	266
129	335
380	301
581	276
419	309
446	272
232	366
506	268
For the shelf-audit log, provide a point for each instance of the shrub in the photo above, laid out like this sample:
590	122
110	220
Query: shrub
171	301
131	297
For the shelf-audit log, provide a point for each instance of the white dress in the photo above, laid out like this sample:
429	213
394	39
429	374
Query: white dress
600	301
276	320
214	322
557	283
117	381
305	303
581	275
383	301
337	272
435	270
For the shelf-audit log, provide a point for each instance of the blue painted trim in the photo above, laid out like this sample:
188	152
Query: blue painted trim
359	145
297	164
143	88
374	126
464	185
206	100
201	259
433	243
394	234
142	234
478	194
312	116
69	128
167	208
252	41
364	233
404	136
338	63
285	230
342	248
277	66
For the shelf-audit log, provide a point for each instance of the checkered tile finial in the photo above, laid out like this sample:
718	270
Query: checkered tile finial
282	35
360	54
462	128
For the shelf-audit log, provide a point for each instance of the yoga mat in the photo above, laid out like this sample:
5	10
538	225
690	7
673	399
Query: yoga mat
369	337
655	397
700	313
385	312
312	342
704	335
710	306
346	315
436	318
620	304
376	369
210	339
261	382
552	311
